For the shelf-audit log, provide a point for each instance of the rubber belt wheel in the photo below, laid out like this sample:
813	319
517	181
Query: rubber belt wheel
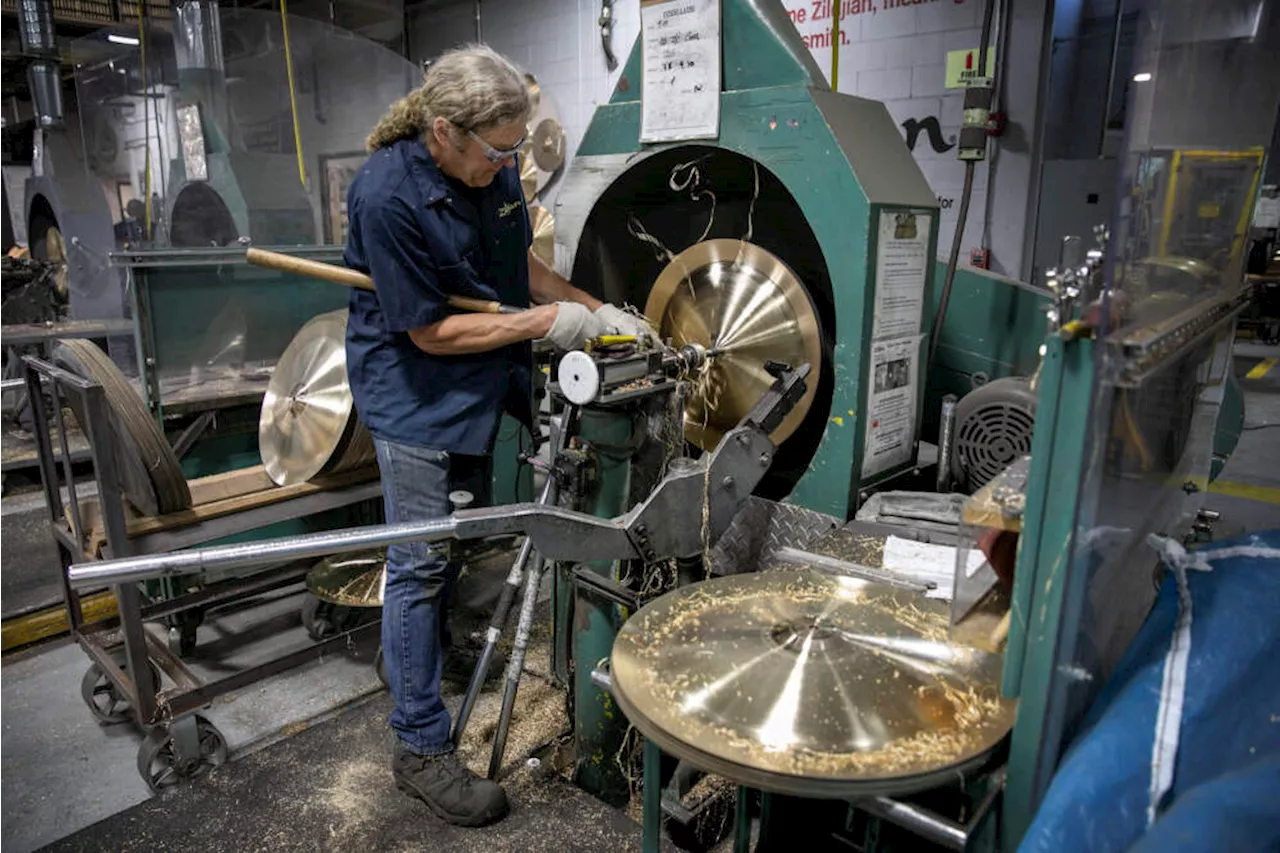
150	475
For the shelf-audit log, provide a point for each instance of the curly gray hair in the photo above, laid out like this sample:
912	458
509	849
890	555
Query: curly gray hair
473	87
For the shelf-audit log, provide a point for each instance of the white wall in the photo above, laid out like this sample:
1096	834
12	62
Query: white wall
558	41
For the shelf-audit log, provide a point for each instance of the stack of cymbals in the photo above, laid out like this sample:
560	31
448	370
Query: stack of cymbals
308	424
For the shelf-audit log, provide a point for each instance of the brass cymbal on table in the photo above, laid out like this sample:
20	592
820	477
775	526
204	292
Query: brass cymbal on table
809	684
746	303
350	580
544	233
308	423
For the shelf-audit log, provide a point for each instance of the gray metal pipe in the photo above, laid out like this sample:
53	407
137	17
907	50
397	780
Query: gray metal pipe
927	825
131	569
37	38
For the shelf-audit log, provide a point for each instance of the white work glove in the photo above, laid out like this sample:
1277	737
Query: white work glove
619	322
574	325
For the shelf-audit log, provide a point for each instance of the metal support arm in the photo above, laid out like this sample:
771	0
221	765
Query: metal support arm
723	481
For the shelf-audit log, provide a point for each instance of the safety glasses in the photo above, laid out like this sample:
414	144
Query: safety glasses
496	155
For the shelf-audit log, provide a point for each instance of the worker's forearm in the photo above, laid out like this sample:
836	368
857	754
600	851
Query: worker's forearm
461	334
546	285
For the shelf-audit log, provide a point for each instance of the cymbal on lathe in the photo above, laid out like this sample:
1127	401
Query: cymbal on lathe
809	684
744	302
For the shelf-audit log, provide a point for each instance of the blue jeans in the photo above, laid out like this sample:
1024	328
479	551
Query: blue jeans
416	483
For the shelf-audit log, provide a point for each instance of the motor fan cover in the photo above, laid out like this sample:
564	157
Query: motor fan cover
993	427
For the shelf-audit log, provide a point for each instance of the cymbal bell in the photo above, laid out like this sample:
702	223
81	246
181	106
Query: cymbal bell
809	684
350	580
742	302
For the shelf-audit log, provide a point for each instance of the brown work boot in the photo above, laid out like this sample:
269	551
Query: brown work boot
449	789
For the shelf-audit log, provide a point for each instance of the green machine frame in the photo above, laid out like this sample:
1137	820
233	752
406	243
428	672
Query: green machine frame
777	111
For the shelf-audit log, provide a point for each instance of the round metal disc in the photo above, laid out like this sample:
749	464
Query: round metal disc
548	145
307	407
743	301
349	580
579	378
544	234
150	474
809	684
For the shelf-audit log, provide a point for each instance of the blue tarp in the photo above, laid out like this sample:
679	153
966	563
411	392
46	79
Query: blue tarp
1226	786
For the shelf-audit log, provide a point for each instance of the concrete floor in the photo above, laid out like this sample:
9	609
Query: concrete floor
60	772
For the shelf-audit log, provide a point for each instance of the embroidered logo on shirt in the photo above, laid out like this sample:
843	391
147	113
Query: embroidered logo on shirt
508	208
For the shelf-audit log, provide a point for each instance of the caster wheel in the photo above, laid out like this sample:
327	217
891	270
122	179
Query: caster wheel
158	761
107	704
182	635
323	619
380	667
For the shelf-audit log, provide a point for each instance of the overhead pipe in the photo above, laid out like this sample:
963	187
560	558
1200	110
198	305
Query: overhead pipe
37	38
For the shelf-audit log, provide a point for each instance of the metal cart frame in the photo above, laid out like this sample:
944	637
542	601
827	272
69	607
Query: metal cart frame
174	733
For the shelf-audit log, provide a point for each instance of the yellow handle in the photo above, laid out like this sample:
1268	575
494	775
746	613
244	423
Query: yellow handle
610	340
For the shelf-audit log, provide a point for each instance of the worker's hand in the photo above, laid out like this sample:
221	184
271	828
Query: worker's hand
574	325
619	322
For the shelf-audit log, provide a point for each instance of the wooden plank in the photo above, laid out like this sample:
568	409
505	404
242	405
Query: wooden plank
241	503
229	484
240	490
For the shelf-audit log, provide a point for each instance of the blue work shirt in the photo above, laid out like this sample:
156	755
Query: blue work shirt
422	237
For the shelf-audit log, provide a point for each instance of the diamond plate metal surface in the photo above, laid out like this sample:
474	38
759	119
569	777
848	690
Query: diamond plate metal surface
760	528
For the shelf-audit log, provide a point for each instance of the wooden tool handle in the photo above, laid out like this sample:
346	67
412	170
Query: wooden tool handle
315	269
482	306
349	277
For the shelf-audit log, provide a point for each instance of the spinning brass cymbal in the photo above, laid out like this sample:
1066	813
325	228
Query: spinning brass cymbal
307	415
744	302
809	684
544	234
350	580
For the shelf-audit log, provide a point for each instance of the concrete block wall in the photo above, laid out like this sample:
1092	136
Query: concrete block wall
891	51
558	41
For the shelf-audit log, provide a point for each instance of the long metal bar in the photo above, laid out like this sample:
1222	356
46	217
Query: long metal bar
128	596
516	665
569	535
929	826
824	563
498	622
247	554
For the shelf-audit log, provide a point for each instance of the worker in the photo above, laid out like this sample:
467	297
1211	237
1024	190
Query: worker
438	210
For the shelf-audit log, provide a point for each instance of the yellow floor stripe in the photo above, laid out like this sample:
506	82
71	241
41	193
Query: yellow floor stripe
1261	368
50	622
1266	494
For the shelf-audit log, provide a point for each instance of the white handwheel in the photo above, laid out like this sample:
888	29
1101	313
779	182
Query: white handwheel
579	378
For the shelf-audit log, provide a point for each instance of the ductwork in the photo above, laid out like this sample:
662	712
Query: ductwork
36	33
197	42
